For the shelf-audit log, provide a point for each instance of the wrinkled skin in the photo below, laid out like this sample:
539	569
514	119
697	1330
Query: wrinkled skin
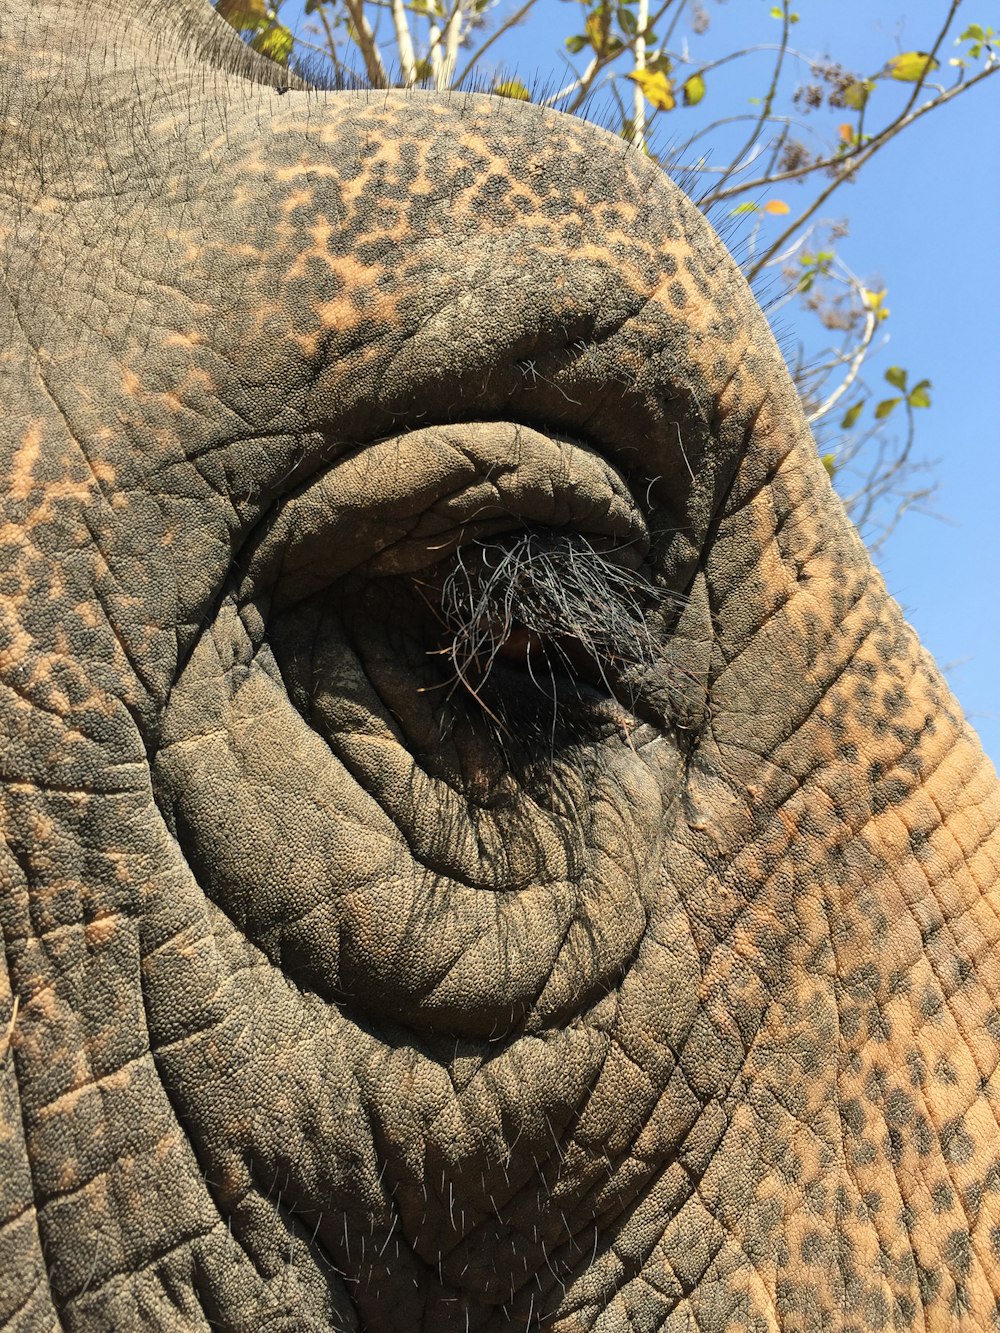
339	1005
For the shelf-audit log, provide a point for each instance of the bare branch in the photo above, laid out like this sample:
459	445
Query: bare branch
330	42
404	43
638	97
918	86
452	40
581	86
857	361
370	54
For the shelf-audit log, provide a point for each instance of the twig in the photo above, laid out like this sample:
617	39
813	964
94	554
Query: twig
331	44
857	360
765	110
638	96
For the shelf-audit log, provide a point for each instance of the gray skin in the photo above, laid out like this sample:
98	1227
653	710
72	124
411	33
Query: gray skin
338	993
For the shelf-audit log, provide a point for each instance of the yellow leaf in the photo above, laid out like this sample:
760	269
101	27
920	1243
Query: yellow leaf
598	29
657	89
776	206
873	300
856	94
512	88
276	42
694	90
243	14
912	66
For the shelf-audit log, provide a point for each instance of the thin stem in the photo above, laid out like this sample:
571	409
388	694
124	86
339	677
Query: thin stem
331	44
437	64
582	84
765	110
673	22
857	360
952	11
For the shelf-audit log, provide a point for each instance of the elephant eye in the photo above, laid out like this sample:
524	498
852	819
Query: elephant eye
571	618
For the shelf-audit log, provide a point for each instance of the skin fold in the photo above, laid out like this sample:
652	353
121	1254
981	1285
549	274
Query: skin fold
634	971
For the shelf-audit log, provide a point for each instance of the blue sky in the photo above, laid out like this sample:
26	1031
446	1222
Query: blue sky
924	224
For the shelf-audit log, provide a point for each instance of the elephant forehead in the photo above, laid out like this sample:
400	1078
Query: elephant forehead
414	166
414	247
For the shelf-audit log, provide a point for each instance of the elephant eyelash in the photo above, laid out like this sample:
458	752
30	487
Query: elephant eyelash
548	601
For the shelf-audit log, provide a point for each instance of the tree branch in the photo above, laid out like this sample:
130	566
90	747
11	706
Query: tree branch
863	155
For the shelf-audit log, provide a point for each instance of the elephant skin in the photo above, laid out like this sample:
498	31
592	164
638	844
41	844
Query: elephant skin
349	984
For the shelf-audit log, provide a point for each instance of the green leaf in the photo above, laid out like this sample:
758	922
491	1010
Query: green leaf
896	376
978	36
627	21
512	88
575	44
851	416
918	395
912	66
744	208
275	42
829	461
694	90
885	407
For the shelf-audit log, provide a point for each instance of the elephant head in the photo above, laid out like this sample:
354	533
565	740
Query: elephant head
481	849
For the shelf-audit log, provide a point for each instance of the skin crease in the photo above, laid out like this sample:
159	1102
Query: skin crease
335	1009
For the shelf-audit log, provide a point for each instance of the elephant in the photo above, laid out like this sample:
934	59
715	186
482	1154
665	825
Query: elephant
481	848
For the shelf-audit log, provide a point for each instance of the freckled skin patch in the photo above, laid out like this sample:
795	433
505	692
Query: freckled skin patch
319	1029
